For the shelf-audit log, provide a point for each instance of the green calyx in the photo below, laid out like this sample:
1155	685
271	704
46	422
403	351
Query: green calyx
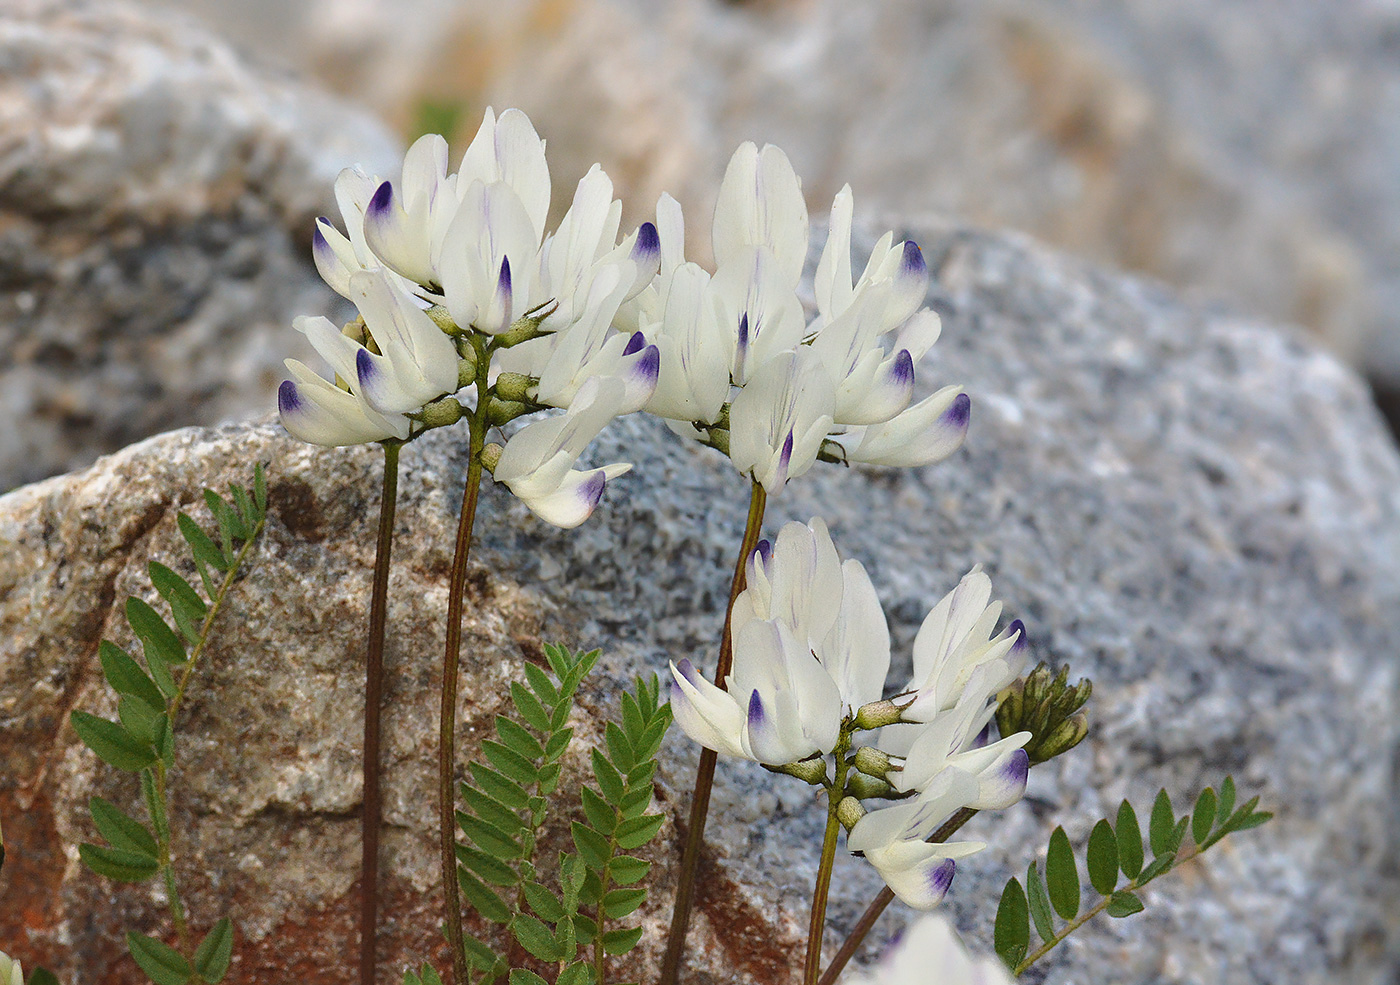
1048	707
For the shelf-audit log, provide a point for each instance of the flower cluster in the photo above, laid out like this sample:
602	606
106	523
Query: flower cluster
459	287
742	368
811	654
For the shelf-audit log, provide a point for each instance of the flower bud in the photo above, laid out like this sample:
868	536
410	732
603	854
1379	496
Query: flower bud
848	812
810	770
515	386
878	714
441	413
504	411
1068	734
443	319
864	787
466	366
490	455
526	327
872	761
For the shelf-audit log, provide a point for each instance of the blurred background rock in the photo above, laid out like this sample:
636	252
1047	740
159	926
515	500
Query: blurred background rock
1246	152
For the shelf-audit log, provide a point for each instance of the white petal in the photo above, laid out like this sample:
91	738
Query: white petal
704	712
780	418
418	361
402	240
760	203
315	411
928	432
916	872
759	308
856	651
510	150
833	279
694	351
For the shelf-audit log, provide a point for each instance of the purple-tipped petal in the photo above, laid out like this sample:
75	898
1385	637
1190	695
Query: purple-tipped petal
913	264
647	248
785	456
634	344
1018	630
764	550
366	370
983	737
592	490
688	671
743	332
957	415
381	201
902	373
648	368
288	400
757	716
1017	768
941	878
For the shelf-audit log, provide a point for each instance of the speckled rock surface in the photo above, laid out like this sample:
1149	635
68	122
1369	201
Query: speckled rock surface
154	189
1201	513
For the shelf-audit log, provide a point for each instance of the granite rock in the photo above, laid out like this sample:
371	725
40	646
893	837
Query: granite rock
1200	512
156	201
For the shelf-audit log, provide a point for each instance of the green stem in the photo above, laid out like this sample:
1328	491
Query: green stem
447	718
1095	910
153	788
882	900
817	926
705	774
371	816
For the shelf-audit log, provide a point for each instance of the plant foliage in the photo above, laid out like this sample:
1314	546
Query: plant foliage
583	906
1113	848
142	738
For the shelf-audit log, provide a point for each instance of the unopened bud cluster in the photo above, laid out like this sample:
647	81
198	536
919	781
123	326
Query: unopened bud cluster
1047	707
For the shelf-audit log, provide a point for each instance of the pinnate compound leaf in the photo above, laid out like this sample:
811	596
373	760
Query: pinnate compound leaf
212	957
1012	932
126	676
156	636
113	744
1062	875
1102	860
161	963
120	864
121	830
622	940
1123	904
637	831
1039	901
1129	838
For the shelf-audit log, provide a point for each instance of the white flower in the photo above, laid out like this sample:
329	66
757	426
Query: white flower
892	840
928	432
929	951
537	462
958	650
779	421
695	350
10	971
953	739
760	204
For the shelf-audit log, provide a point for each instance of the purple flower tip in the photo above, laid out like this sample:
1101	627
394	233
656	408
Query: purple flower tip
903	373
288	400
365	368
647	248
983	737
756	713
913	265
383	198
957	415
744	330
318	239
764	550
503	284
634	344
687	669
786	456
1018	630
592	490
648	367
1017	768
942	877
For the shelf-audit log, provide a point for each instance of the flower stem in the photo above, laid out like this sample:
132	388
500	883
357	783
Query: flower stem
817	926
374	689
881	901
705	774
447	718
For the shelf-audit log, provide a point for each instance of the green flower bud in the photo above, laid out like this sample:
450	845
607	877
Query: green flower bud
878	714
1048	707
466	366
872	761
526	327
443	320
515	386
868	788
490	455
848	812
504	411
441	413
809	770
1066	735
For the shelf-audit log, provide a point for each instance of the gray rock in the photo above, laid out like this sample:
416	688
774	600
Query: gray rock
1199	512
1246	152
150	182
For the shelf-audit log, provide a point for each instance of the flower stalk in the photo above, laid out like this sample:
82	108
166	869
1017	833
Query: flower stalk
447	726
705	774
834	794
370	818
